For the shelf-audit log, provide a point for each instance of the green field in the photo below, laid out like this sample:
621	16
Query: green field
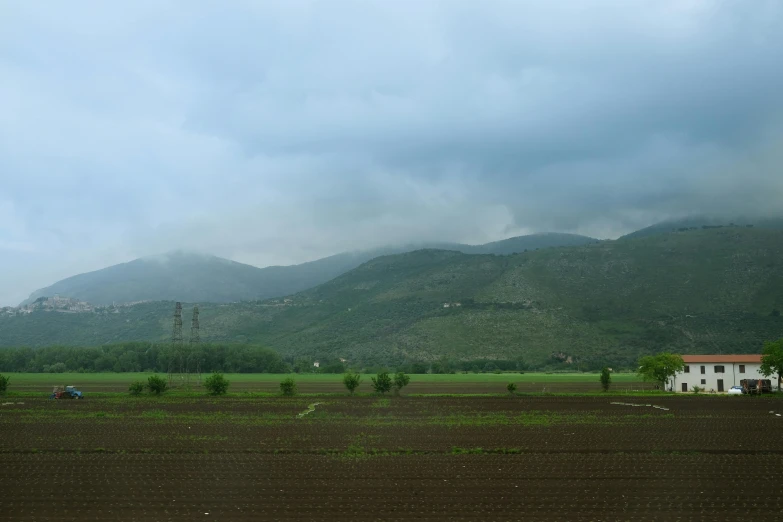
332	383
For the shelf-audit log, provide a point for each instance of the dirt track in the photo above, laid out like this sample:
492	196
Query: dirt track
370	459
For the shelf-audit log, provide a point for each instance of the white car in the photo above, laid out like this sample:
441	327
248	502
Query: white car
735	390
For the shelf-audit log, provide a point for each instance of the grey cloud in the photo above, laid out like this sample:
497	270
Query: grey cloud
279	132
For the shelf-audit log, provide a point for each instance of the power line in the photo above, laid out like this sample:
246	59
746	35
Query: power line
195	341
176	362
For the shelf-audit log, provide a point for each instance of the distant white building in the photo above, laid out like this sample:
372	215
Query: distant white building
717	372
317	364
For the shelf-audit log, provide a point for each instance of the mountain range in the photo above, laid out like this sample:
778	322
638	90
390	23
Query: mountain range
714	290
182	276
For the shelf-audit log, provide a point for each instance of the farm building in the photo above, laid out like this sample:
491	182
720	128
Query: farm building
717	372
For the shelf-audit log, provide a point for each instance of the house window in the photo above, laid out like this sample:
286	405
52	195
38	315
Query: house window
742	368
703	369
719	369
687	369
704	381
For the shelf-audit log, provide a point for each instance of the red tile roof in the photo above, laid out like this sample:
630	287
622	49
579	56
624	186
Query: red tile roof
753	358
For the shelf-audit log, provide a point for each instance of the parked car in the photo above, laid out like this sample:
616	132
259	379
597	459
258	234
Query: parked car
736	390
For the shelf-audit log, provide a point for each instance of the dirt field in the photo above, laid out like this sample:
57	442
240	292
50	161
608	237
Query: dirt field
369	458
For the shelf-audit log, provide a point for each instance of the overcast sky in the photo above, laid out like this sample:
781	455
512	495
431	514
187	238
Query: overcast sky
281	132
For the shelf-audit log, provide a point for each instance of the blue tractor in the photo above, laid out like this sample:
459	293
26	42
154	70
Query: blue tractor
67	392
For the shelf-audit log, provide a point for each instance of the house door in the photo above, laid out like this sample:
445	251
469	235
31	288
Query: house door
720	385
685	386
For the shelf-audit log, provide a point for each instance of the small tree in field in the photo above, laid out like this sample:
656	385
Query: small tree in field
216	384
401	380
511	387
4	383
136	388
382	383
288	387
352	381
156	384
606	378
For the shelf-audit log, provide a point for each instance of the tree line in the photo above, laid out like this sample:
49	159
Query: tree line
226	357
142	357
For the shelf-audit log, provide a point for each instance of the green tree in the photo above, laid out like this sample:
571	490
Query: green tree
156	384
288	387
772	359
352	381
136	388
4	383
511	387
401	380
382	383
606	378
660	368
216	384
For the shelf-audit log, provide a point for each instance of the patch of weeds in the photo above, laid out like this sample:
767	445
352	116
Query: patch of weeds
154	414
675	452
381	403
201	438
456	450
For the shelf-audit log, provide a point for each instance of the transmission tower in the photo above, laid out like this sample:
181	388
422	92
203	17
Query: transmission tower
176	361
195	341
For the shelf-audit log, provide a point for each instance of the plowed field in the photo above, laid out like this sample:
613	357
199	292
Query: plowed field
394	458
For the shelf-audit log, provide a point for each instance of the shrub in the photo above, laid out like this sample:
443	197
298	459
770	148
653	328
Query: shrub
400	381
4	383
697	390
136	388
606	378
216	384
288	387
511	387
352	381
156	384
382	383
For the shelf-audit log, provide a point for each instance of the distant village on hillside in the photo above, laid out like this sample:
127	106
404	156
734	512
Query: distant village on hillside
62	305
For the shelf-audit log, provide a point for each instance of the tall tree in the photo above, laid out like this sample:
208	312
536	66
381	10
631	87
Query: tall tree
660	368
772	359
606	378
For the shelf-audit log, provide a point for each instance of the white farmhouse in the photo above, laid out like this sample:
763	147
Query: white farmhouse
717	372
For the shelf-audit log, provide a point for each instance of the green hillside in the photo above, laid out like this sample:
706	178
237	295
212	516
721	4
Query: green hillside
191	277
696	222
700	291
203	278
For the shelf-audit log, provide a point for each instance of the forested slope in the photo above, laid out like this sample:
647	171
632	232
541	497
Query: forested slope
699	291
